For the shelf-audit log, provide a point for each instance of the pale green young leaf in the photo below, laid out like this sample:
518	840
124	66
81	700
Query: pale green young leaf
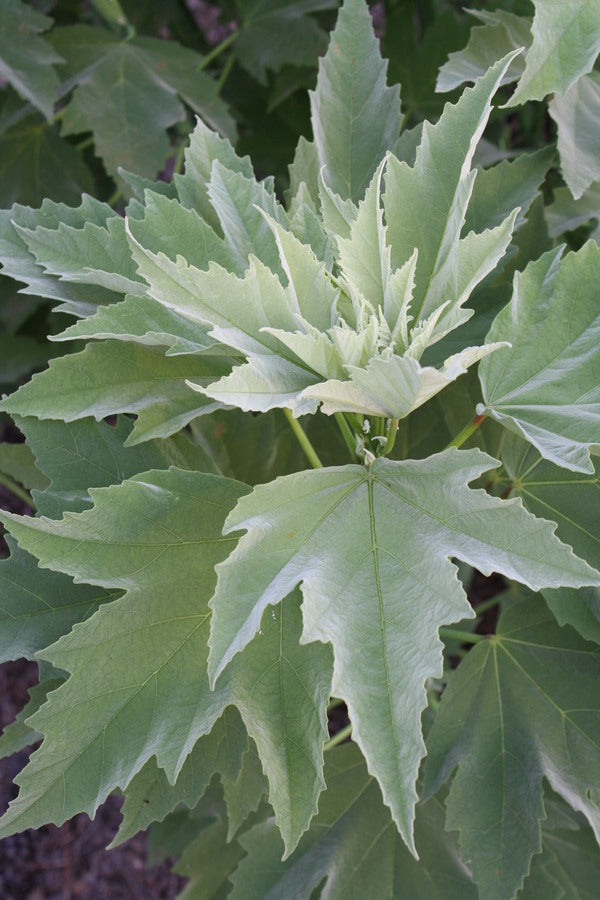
112	377
20	264
337	213
354	847
510	718
500	33
235	199
566	41
142	320
364	256
441	182
566	214
27	60
400	522
205	146
355	116
156	637
305	170
150	797
577	114
170	227
393	386
311	291
89	255
571	500
546	386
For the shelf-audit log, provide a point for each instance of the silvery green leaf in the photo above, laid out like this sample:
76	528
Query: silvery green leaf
371	547
577	114
355	116
546	388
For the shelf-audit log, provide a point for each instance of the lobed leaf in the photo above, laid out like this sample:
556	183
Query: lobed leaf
371	547
546	387
509	718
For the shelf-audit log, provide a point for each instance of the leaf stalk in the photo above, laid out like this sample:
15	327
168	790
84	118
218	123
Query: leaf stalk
466	432
17	490
338	738
465	637
309	450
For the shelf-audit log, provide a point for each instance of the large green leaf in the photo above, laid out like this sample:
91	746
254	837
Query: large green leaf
577	114
127	94
566	214
354	847
371	547
156	689
36	163
566	41
571	500
274	33
26	59
546	387
113	377
355	116
508	718
570	859
37	606
500	33
19	263
150	797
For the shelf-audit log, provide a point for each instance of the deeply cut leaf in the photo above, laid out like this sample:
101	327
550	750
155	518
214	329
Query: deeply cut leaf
509	718
371	548
546	387
137	535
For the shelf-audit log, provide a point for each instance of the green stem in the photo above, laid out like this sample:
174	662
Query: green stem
225	73
304	442
340	418
391	437
114	198
179	157
466	432
487	604
334	703
17	490
338	738
465	637
216	51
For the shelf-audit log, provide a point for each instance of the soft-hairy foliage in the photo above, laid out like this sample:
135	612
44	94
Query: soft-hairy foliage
198	600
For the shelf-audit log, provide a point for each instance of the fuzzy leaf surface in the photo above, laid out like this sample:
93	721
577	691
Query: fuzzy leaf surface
112	377
371	548
509	718
577	115
356	117
566	41
546	387
156	687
